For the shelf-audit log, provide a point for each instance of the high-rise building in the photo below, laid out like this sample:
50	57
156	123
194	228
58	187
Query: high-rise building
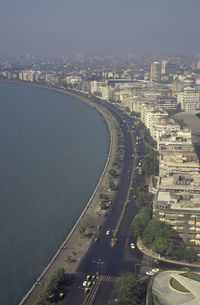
163	66
189	98
155	71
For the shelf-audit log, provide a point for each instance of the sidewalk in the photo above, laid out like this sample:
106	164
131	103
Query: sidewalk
157	256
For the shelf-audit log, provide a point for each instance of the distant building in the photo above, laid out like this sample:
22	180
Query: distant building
163	66
155	71
171	68
167	102
96	86
189	97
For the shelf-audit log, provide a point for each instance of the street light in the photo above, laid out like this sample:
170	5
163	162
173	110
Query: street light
98	262
136	265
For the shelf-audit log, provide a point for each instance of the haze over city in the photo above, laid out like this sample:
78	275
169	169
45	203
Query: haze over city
100	152
50	27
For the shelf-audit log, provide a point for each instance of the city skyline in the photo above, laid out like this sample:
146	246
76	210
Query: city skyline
51	27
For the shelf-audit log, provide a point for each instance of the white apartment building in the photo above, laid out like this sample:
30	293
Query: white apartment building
163	126
182	163
180	140
182	212
177	200
95	86
106	92
151	115
72	80
189	99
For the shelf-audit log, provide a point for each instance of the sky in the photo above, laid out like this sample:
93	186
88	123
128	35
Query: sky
62	27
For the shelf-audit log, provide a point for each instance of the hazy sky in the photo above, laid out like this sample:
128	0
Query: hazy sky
99	26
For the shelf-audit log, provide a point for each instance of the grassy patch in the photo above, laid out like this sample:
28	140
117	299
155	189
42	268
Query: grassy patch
149	292
193	276
177	286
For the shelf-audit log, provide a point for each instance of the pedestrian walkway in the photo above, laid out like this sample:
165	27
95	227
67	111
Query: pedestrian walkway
108	278
101	277
168	295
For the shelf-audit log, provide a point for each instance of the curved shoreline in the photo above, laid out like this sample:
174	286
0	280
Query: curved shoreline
32	295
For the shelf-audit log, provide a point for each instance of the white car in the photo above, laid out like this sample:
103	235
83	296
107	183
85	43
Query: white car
155	270
84	283
108	232
132	246
149	273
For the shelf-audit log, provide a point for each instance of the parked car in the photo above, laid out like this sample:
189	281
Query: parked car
155	270
149	273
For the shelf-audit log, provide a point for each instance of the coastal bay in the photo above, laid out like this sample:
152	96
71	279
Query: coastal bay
74	246
46	212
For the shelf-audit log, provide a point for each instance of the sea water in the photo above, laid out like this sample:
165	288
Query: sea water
53	149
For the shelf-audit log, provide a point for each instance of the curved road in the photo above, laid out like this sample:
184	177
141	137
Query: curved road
113	261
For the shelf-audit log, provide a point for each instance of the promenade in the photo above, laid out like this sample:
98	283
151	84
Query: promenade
75	246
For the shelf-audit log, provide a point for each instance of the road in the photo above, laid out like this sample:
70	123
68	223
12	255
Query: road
114	261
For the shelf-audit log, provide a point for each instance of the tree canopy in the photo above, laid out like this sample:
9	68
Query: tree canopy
51	286
161	238
143	197
139	223
129	290
150	163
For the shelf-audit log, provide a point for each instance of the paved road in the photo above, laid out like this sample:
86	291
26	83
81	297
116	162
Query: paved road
121	258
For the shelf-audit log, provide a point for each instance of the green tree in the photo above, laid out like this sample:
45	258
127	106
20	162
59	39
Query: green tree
147	137
52	286
179	253
143	197
82	230
127	109
129	290
161	238
150	163
190	255
103	196
111	184
139	223
113	172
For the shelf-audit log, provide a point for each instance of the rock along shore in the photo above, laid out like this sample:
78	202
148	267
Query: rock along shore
75	246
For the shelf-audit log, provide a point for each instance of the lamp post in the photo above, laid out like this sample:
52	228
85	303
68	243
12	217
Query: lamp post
136	265
98	262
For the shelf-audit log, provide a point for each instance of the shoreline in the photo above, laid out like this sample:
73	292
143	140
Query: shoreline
74	239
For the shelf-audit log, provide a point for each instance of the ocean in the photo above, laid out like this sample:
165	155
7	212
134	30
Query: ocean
53	149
